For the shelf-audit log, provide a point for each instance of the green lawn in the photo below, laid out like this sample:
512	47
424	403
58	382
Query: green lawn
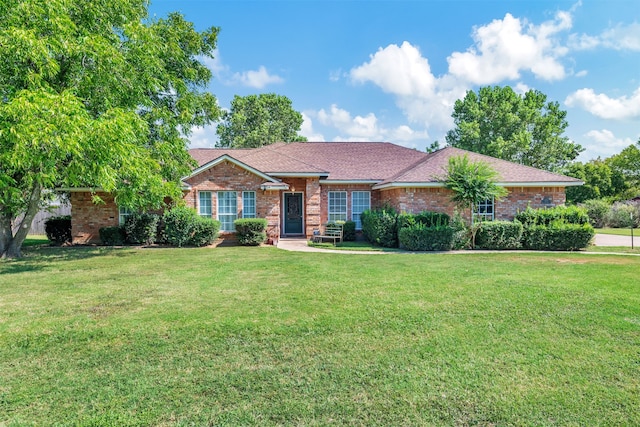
34	240
619	231
260	336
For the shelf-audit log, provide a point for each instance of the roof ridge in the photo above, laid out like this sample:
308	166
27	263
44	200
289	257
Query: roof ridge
507	161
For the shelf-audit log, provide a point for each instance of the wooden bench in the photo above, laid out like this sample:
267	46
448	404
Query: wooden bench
332	231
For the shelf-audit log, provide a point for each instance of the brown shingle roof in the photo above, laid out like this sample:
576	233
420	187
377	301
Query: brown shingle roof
434	166
381	162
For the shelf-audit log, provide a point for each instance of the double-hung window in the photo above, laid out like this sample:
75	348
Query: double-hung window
484	211
123	214
248	204
227	209
360	202
204	204
337	206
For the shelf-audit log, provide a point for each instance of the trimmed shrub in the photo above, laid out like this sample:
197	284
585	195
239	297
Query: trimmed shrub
426	218
418	237
205	231
597	210
141	228
58	229
178	225
567	214
379	226
558	236
183	226
112	236
620	215
251	231
499	235
349	231
461	233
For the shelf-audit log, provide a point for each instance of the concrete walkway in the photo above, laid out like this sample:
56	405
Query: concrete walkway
300	245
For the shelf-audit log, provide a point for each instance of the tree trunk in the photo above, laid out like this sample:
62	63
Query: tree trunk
11	245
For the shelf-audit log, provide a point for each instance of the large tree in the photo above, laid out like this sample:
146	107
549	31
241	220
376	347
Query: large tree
257	120
95	94
627	164
525	129
600	181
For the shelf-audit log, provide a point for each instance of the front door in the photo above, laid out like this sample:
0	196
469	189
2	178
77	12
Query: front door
293	213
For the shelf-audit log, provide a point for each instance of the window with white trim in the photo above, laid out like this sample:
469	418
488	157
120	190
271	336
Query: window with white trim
227	209
360	202
248	204
204	204
484	211
123	214
337	206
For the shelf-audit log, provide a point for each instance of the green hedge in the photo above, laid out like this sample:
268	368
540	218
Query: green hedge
183	226
566	214
112	236
251	231
58	229
141	228
418	237
426	218
499	235
558	237
349	231
379	226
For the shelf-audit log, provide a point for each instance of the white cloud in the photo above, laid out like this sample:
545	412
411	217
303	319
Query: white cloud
521	88
218	69
203	137
257	79
582	73
603	106
506	47
364	128
604	144
620	37
307	131
400	70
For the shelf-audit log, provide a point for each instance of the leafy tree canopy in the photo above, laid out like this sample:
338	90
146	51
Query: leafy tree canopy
627	163
94	93
471	182
523	129
257	120
600	181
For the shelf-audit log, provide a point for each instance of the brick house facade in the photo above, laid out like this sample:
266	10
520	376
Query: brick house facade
300	186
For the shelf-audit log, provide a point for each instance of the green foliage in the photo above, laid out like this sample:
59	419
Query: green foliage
623	215
559	228
597	210
349	231
419	237
523	129
426	218
141	228
96	94
380	226
112	236
627	165
183	226
471	182
251	231
205	231
499	235
558	236
567	214
58	229
257	120
600	181
461	233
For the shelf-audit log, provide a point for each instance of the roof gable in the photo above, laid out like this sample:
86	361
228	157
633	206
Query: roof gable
227	158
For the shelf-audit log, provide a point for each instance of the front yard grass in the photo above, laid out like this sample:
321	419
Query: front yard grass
260	336
619	231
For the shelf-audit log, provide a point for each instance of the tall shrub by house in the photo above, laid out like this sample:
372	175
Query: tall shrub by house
499	235
251	231
379	226
184	227
141	228
58	229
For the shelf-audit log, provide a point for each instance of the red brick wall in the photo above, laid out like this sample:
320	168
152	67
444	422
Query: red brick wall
227	176
87	217
414	200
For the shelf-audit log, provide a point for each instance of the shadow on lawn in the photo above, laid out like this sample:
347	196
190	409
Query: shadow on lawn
38	258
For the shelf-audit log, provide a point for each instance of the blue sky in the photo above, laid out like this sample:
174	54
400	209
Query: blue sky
391	70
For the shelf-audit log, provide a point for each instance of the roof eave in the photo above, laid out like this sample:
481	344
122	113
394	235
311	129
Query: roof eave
425	184
349	181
